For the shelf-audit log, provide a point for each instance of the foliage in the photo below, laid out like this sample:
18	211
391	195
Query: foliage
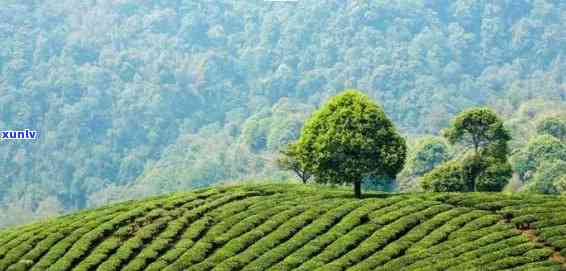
494	177
547	178
350	139
554	126
302	227
135	98
485	173
290	160
486	168
560	184
447	177
430	152
424	155
538	150
481	129
472	173
524	121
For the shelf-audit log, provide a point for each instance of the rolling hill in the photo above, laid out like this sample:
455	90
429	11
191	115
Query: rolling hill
293	227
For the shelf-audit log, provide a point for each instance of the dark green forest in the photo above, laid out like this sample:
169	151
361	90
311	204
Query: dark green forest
141	97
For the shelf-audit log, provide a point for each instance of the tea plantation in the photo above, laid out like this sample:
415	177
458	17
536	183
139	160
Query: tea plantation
292	227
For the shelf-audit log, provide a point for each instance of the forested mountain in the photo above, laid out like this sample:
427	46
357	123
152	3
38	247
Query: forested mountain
137	97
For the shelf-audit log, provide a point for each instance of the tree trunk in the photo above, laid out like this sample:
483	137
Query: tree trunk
358	189
474	188
304	176
477	149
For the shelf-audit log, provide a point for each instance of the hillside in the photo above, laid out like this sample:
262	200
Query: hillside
139	97
284	227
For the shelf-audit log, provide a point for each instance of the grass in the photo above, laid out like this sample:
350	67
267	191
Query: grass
298	227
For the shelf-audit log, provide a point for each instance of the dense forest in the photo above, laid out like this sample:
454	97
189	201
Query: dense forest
139	97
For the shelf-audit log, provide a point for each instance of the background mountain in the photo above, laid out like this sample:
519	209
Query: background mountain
138	97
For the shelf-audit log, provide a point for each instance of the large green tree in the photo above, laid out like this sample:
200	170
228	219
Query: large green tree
349	140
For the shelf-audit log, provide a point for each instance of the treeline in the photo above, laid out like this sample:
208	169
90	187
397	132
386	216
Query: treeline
536	148
137	97
350	140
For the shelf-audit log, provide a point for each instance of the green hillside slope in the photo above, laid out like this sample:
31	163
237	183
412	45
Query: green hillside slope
291	227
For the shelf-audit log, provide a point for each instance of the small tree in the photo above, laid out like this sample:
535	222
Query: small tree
289	160
480	129
350	139
487	168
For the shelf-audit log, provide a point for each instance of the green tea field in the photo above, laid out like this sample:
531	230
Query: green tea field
293	227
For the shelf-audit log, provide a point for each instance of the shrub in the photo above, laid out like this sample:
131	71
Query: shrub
447	177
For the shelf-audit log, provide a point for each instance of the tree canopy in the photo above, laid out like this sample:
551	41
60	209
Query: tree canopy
350	139
487	167
481	129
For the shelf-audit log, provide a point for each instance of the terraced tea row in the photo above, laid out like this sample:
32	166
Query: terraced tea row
289	227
